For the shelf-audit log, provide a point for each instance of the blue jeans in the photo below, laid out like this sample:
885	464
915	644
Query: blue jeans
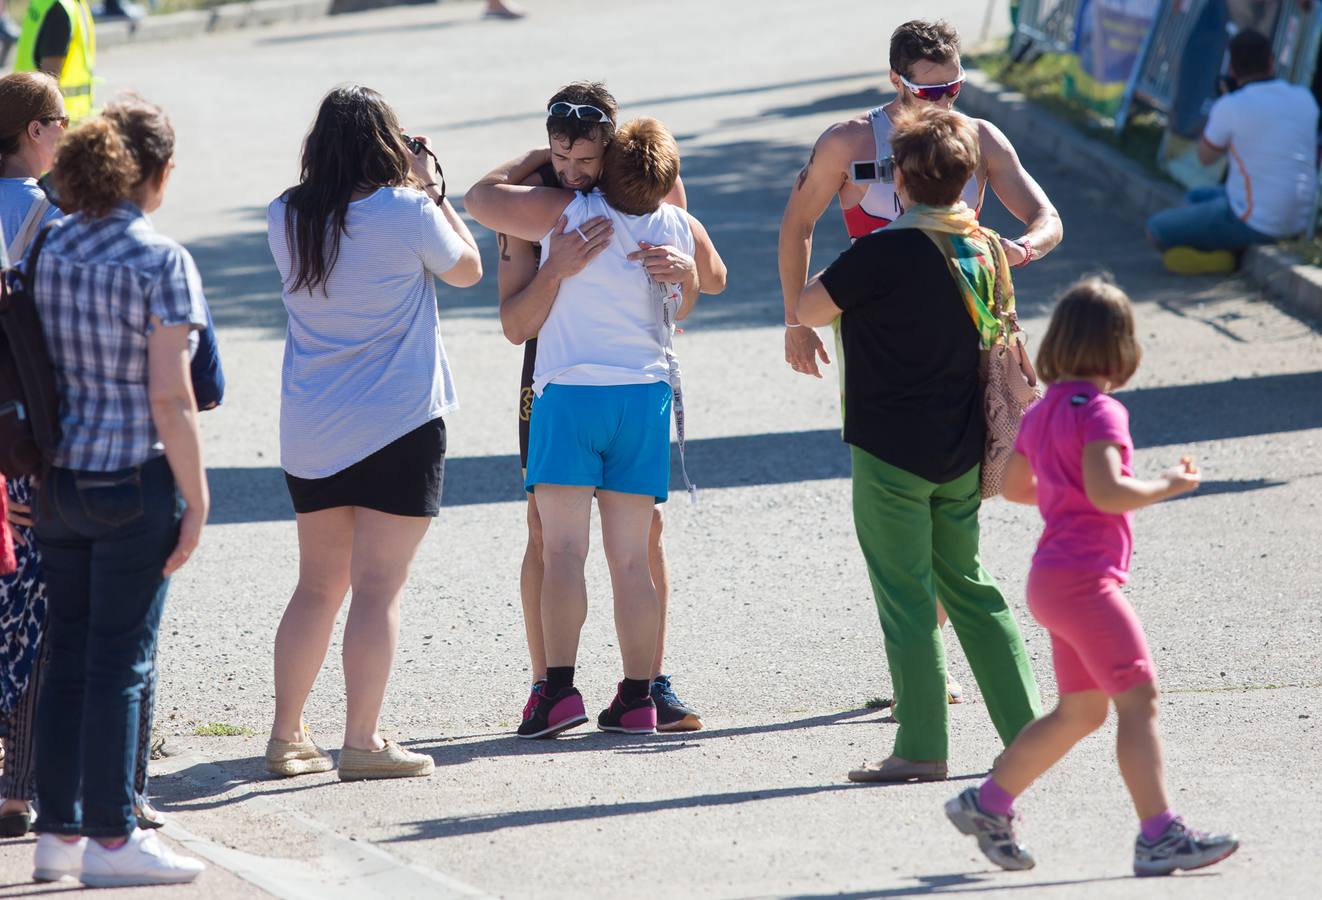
104	538
1206	222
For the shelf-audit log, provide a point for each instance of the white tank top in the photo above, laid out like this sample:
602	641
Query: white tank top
602	329
880	201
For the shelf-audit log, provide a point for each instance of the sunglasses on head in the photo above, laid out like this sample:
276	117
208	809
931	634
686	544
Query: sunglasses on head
564	110
934	92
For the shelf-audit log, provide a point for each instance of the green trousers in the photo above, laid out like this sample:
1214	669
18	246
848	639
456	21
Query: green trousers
920	542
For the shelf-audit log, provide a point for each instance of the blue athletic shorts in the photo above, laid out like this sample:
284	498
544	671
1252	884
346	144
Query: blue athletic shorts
616	438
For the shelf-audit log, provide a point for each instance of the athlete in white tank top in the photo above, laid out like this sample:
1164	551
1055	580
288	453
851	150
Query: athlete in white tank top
880	206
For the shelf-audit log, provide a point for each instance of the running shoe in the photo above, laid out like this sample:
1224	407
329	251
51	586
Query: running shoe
634	717
142	860
995	834
532	698
1180	847
672	714
552	715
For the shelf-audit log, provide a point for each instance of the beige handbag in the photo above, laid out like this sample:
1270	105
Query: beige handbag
1009	387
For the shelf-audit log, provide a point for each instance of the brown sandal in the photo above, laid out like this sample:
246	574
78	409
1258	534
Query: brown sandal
893	769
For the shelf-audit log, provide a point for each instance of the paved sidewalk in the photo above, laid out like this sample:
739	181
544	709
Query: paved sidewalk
773	631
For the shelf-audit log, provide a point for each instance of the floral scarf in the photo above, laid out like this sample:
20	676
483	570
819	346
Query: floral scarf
976	260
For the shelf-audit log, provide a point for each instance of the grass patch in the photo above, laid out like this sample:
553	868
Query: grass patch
1309	252
879	703
221	729
1043	82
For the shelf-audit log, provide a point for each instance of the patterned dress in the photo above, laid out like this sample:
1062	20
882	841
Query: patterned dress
22	609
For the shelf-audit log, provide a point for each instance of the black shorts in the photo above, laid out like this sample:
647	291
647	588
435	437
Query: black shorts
526	398
403	478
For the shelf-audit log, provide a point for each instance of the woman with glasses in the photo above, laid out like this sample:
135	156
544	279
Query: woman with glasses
27	150
358	242
605	381
119	304
32	121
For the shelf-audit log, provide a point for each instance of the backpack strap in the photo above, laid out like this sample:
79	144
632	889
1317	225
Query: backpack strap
31	222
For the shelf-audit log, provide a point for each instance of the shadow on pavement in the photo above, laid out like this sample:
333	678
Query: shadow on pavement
1230	486
1161	416
457	751
459	826
243	287
535	115
967	883
259	494
1241	407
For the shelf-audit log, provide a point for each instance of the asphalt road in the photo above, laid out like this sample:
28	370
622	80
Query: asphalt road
773	631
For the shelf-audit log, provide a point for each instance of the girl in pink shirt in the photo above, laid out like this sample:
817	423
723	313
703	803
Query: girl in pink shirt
1073	459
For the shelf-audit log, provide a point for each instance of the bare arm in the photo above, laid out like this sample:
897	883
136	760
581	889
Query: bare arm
174	413
678	196
1208	152
502	203
817	183
468	270
815	306
1019	484
712	274
1111	491
527	292
1020	193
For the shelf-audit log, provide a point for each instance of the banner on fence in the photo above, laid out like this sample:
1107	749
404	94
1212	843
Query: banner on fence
1108	38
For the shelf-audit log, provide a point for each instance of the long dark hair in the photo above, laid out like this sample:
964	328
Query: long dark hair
355	144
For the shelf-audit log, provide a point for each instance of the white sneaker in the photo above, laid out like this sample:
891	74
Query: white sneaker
142	860
55	859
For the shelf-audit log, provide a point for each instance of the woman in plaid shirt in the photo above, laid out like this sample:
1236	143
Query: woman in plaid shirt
120	305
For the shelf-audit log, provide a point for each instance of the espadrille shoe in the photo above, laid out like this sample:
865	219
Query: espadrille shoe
289	758
391	761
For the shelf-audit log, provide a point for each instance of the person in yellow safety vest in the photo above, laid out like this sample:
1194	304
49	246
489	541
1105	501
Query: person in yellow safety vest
58	37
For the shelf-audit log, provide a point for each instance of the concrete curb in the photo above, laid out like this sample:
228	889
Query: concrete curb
232	16
1279	274
350	869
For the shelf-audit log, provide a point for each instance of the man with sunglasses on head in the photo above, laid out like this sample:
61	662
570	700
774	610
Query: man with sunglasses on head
580	123
851	160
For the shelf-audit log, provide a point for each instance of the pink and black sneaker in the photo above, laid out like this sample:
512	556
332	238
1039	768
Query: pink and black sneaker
552	715
532	698
629	717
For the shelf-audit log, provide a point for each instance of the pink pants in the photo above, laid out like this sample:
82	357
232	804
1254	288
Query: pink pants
1097	641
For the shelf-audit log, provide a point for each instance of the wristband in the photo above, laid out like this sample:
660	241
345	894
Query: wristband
441	188
795	325
1029	253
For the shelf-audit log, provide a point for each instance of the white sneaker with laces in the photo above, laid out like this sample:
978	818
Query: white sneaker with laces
143	859
55	859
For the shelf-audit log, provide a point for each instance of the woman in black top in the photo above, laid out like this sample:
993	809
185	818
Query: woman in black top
913	301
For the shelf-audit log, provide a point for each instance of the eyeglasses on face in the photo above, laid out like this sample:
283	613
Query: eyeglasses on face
934	92
62	121
564	110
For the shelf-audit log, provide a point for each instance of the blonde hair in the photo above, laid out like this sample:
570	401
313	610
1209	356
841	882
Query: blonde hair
25	97
104	159
640	167
937	152
1091	334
